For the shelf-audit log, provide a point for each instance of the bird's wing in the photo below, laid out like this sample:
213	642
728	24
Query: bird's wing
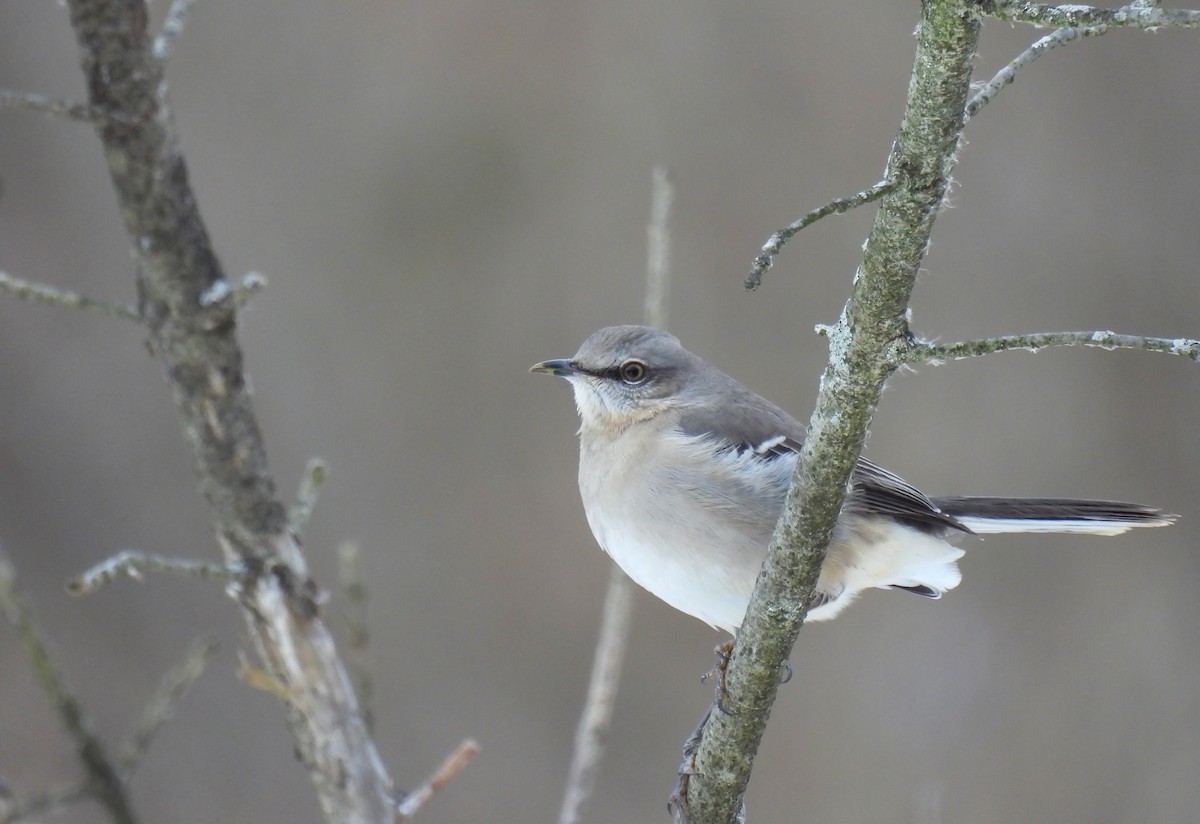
752	425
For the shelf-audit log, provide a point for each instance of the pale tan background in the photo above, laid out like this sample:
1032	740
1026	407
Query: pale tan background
443	193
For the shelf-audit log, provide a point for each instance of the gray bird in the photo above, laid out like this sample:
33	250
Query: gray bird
683	473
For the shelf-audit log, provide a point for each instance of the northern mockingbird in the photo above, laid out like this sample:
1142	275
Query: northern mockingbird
683	473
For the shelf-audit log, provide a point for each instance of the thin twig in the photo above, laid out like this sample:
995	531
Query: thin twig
160	708
1137	15
933	352
412	802
237	296
46	803
835	207
61	297
1006	75
617	618
352	583
658	248
105	782
132	563
602	694
30	101
306	497
172	27
1057	38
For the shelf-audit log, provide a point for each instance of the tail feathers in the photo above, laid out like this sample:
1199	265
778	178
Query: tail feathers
991	515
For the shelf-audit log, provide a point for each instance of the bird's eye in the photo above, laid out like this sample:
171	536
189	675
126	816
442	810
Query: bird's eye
633	372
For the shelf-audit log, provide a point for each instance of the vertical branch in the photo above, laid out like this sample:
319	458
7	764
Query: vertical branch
864	345
104	780
189	312
617	618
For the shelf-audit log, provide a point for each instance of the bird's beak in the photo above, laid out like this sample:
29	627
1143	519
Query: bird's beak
560	367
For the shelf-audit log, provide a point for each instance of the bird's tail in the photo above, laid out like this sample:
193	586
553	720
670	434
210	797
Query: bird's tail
989	515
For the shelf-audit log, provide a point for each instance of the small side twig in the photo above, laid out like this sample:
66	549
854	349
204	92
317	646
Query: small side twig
171	29
1136	15
47	803
835	207
601	697
160	708
132	563
314	476
935	352
61	297
411	803
1008	74
658	247
105	783
352	583
1060	37
31	101
221	293
617	618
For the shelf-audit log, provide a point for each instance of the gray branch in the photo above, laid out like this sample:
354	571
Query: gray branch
840	206
352	585
306	496
1008	74
1136	15
33	102
105	782
1036	341
617	619
133	564
61	297
172	27
871	325
194	336
161	706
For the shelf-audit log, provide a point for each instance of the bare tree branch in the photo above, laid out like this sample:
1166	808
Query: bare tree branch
1061	37
1008	74
413	802
105	782
161	706
1136	15
176	19
47	803
352	583
840	206
194	334
1036	341
658	248
306	497
60	297
872	323
131	563
30	101
617	618
596	718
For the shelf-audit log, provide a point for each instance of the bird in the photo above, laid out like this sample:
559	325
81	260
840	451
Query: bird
683	473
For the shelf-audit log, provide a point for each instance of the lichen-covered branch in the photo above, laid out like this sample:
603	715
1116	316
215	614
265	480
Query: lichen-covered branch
60	297
133	564
1136	15
105	782
161	706
1036	341
193	332
34	102
871	324
839	206
1008	74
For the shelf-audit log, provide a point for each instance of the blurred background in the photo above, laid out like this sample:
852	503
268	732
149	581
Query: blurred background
442	194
